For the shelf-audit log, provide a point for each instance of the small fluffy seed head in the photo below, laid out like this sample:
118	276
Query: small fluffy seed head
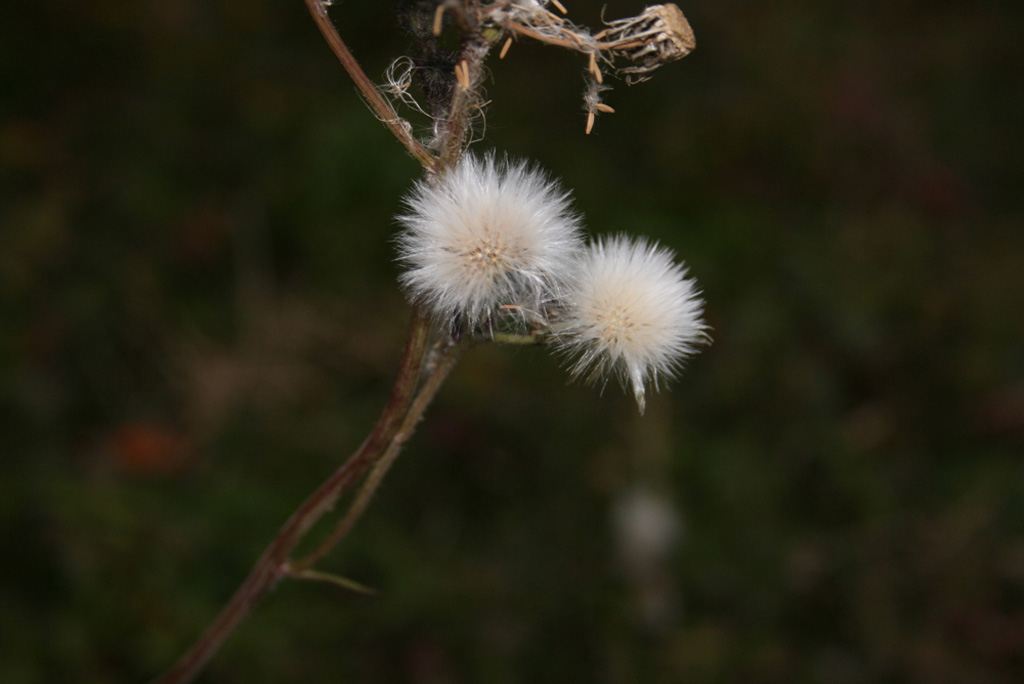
487	233
632	313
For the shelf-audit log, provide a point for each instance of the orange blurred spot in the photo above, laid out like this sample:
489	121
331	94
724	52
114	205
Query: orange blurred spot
149	449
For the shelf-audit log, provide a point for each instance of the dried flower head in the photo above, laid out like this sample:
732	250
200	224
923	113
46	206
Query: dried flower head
487	234
632	313
658	35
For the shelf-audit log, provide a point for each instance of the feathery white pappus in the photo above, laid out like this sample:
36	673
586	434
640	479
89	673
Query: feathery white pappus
487	233
632	313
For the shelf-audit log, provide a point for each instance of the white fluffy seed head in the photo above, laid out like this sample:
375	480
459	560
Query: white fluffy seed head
632	313
487	234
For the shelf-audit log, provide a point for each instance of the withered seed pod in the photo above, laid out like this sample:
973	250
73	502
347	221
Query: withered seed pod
658	35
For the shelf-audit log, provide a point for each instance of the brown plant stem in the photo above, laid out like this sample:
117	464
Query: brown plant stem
273	564
405	406
448	356
466	99
381	107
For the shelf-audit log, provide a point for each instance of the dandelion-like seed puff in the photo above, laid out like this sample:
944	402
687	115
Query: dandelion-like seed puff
633	313
487	234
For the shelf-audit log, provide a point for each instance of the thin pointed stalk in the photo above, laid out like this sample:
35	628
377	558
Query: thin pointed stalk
337	580
513	338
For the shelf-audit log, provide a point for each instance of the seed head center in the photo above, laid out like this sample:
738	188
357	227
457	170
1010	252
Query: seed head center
615	323
486	257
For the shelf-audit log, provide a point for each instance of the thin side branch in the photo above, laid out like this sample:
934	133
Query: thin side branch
381	107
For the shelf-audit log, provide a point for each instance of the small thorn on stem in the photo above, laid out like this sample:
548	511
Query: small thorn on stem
337	580
505	47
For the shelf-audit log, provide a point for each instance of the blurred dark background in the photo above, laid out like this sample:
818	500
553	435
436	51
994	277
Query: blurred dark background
199	320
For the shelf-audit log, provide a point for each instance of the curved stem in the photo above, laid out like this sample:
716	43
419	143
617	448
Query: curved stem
436	377
273	564
381	107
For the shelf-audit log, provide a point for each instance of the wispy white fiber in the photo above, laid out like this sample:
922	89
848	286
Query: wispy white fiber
632	313
487	234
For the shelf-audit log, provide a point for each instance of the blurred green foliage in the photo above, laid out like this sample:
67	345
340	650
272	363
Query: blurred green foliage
198	320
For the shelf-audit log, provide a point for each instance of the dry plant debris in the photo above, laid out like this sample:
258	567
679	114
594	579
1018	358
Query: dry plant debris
631	48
